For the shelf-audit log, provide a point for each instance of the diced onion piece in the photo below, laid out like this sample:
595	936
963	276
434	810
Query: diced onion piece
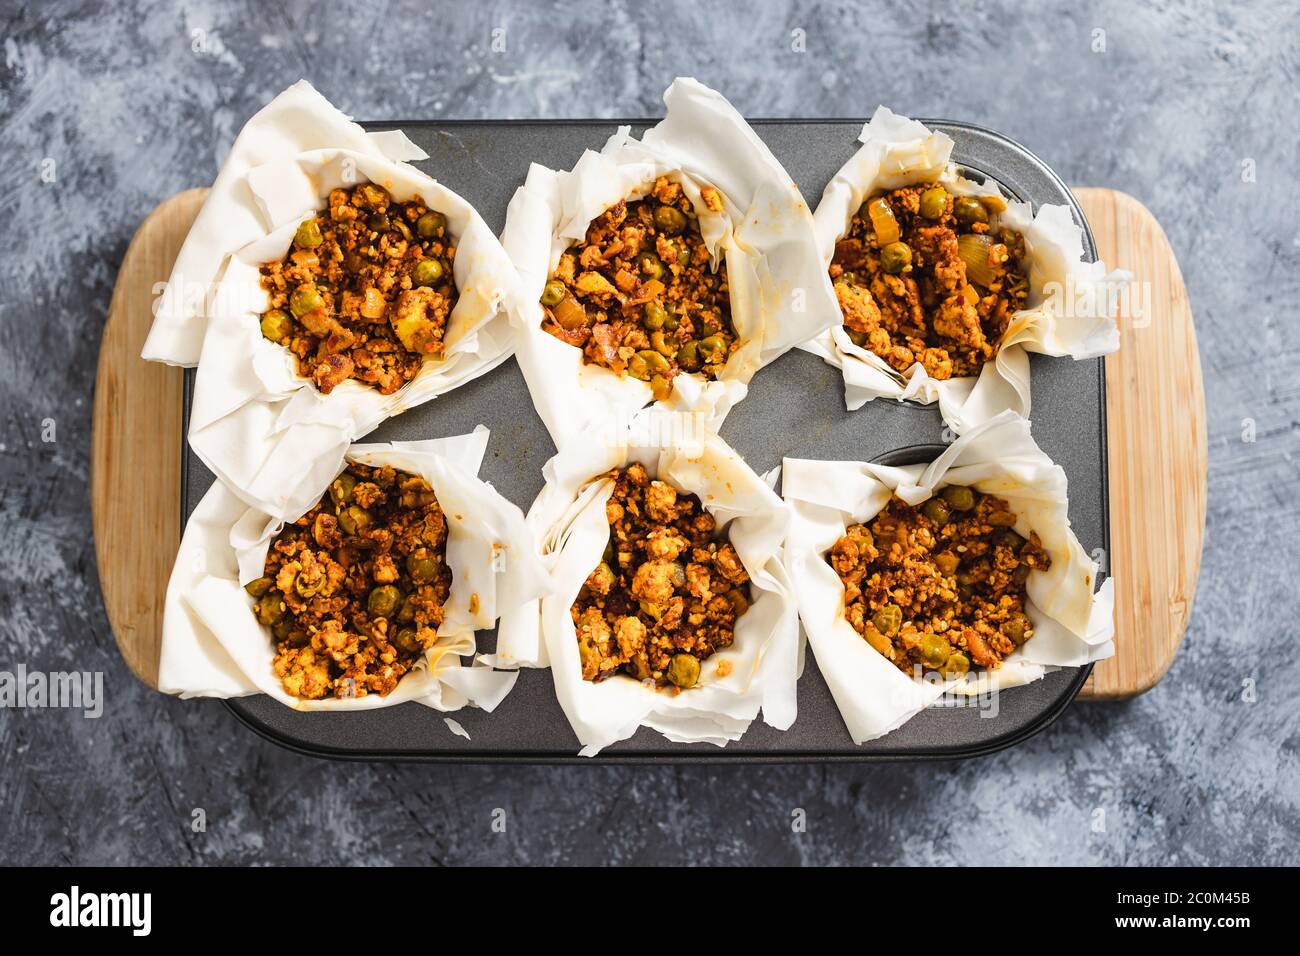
994	204
305	259
570	313
373	304
883	221
972	297
974	251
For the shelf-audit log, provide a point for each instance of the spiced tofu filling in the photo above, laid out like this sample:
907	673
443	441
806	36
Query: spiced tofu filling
637	294
365	292
353	591
940	586
925	276
667	594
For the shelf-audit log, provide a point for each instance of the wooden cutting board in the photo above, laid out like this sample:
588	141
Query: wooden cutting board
136	447
1155	406
1157	447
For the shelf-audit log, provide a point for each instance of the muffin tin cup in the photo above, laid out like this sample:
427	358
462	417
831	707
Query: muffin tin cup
1072	617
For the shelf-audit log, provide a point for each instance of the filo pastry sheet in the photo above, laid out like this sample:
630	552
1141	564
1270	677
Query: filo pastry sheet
213	645
780	292
1073	619
260	426
1071	306
569	522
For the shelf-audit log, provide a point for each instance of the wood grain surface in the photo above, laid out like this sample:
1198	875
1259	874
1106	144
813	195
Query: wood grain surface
1155	406
135	472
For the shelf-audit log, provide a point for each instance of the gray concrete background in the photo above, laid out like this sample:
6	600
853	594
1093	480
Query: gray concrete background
1188	106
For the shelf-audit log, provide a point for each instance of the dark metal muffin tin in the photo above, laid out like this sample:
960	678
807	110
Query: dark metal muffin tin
795	408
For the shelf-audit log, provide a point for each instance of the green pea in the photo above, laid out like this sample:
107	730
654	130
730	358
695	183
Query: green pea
969	211
277	326
670	220
552	293
862	535
688	356
935	650
383	600
270	608
655	363
353	519
305	299
341	488
1011	540
956	665
959	497
281	629
258	587
430	224
427	272
895	257
712	349
1015	243
1017	626
422	566
888	619
656	316
379	222
936	509
934	202
405	640
650	265
637	368
684	670
661	344
308	234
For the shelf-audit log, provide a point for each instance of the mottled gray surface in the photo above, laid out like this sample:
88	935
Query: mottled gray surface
1184	104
